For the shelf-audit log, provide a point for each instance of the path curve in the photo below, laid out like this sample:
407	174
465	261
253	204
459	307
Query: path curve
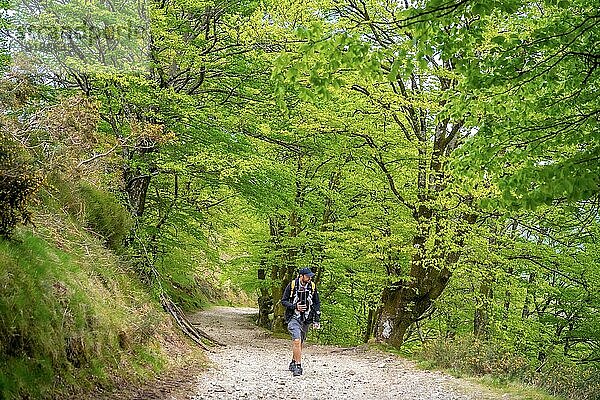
254	365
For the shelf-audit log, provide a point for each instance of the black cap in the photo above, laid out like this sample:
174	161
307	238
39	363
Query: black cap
307	271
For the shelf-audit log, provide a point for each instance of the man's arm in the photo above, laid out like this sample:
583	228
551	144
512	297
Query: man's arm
317	306
285	299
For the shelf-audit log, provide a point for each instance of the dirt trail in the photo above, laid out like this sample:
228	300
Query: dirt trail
254	365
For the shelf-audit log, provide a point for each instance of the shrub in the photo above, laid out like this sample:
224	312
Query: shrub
561	376
18	182
557	374
475	357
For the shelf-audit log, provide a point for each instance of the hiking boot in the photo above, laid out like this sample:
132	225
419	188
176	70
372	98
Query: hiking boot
292	365
297	371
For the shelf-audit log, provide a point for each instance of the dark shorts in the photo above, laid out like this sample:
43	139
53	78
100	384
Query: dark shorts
298	329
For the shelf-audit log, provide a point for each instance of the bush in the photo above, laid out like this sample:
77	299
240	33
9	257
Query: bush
475	357
561	376
18	182
557	374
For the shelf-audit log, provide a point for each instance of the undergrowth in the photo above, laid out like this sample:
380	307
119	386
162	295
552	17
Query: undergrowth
497	365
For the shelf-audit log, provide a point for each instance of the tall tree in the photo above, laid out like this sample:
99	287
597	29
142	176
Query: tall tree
410	85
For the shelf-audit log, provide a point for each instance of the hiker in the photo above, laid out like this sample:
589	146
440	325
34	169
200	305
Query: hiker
302	308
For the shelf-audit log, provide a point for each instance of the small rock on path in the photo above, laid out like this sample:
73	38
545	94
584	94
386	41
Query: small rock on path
254	366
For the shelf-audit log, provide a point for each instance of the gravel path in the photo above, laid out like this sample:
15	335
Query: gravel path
254	365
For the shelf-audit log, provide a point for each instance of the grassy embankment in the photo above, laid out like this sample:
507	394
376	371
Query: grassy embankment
74	318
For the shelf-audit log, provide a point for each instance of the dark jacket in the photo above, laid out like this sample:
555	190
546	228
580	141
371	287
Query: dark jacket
288	301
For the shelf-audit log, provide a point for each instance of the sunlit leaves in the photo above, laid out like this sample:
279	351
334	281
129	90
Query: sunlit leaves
537	92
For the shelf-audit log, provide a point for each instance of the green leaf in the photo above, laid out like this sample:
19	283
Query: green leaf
499	39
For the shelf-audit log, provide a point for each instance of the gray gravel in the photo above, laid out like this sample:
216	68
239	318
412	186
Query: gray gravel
254	365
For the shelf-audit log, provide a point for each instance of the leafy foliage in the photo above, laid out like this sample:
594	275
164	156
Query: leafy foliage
390	146
536	79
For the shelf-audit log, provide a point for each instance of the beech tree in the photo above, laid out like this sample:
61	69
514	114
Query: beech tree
411	85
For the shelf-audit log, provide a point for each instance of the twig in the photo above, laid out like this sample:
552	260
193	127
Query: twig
97	156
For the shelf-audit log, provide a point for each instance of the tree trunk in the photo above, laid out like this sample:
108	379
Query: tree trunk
136	180
136	188
481	316
281	271
265	303
282	275
405	302
371	319
285	267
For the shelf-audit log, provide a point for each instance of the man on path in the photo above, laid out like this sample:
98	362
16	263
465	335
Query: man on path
302	308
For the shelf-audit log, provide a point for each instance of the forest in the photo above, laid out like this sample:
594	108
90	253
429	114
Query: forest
435	162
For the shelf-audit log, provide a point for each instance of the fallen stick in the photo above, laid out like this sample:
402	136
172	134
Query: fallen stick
196	334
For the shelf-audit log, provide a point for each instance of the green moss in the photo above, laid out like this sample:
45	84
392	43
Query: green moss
105	215
98	210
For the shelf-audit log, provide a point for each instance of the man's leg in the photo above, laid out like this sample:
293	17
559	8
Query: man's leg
297	350
303	333
295	329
